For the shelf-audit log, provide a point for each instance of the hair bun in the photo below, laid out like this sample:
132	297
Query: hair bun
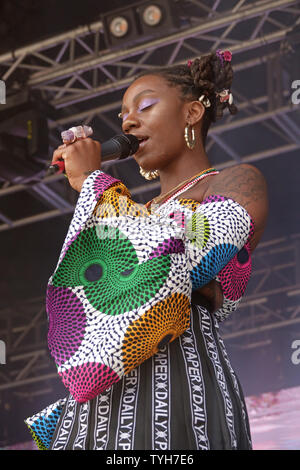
212	73
203	73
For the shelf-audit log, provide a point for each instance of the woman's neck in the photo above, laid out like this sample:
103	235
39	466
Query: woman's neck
170	177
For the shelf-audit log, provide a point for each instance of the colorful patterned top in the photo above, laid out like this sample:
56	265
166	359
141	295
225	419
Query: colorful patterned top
122	287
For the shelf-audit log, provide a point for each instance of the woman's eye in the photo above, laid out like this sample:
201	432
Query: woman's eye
145	107
147	104
124	116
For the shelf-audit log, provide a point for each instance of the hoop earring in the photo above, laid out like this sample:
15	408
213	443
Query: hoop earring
189	142
149	175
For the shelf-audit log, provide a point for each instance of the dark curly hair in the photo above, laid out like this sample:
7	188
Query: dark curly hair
208	75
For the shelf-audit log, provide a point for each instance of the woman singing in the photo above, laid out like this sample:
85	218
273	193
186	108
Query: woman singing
136	299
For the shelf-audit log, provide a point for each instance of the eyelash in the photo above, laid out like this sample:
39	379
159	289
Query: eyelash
146	107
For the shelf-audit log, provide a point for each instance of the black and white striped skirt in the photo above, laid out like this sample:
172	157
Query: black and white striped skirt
186	397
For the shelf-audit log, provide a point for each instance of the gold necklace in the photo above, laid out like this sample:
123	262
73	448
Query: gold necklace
158	199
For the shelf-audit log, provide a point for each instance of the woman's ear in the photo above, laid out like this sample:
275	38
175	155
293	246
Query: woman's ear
194	112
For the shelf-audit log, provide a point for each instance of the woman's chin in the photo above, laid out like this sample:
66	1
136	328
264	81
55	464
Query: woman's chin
144	163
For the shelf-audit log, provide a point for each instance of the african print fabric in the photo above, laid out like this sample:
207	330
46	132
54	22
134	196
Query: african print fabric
186	396
121	294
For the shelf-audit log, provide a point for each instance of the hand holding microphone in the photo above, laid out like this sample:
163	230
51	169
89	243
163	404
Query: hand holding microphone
80	155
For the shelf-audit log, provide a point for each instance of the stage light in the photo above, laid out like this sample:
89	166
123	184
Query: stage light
139	22
152	15
119	27
24	142
156	18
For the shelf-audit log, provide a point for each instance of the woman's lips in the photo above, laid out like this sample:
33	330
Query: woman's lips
142	145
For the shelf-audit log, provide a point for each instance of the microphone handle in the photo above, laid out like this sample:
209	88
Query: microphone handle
57	167
109	151
118	147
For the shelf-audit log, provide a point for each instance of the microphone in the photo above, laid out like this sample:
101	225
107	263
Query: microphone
119	147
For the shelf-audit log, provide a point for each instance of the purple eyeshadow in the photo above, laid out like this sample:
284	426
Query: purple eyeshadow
148	102
144	104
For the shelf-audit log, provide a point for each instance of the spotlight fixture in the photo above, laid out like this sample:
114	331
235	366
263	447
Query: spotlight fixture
157	17
24	141
152	15
138	22
119	27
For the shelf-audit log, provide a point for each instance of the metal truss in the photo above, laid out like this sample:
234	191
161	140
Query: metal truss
30	370
27	357
53	60
83	81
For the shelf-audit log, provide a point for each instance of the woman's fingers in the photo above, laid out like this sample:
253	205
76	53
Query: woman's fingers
76	133
68	142
80	159
58	153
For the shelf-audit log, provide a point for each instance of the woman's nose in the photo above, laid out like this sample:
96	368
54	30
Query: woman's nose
129	123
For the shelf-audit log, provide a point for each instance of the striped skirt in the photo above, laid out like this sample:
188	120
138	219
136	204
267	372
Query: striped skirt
186	397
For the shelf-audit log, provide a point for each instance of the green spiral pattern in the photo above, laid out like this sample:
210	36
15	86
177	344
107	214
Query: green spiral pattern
124	284
197	230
